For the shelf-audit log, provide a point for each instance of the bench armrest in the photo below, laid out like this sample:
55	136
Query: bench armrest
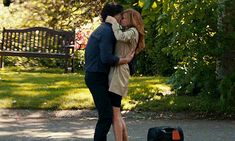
69	46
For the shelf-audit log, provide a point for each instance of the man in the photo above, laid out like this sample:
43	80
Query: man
98	60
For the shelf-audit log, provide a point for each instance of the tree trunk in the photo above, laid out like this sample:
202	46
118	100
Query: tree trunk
226	26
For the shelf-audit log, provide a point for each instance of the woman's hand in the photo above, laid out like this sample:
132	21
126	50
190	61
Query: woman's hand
111	20
128	58
130	55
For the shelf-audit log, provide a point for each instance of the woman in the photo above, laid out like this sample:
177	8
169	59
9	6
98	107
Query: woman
130	36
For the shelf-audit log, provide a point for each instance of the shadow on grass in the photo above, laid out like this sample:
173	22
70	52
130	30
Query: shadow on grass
154	101
154	94
33	90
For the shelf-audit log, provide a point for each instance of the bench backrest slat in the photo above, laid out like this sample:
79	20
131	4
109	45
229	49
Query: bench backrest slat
55	39
30	40
46	42
13	39
10	43
43	35
2	40
18	39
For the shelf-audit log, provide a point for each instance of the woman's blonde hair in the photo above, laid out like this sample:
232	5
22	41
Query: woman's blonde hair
137	22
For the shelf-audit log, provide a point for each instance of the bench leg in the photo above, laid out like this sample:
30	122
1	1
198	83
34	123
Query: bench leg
1	62
72	61
72	64
66	65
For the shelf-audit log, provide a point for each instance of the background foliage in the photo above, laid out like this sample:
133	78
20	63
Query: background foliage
191	37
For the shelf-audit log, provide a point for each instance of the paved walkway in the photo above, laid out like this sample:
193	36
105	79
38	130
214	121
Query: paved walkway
24	125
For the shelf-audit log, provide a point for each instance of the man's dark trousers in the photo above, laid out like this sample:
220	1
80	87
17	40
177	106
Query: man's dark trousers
98	86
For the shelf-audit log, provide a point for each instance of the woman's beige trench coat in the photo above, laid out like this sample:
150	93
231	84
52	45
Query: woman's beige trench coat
119	75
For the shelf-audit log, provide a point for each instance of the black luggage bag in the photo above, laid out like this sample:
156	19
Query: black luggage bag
165	133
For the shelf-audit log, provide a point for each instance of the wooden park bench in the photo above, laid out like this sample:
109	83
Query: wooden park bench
38	42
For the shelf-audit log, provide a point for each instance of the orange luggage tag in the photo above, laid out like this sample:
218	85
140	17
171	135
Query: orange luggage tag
175	135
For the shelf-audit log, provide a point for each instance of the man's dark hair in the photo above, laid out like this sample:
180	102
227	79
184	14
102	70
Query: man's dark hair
111	9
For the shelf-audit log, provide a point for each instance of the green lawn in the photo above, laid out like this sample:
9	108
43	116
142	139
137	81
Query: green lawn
37	88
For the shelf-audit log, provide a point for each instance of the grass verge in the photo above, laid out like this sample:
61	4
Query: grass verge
40	88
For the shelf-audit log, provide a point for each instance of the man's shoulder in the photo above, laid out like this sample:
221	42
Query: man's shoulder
103	30
105	27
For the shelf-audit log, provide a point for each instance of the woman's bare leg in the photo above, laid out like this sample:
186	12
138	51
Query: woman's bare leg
117	124
124	134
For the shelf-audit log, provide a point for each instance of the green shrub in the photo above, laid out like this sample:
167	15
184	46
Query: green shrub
227	90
